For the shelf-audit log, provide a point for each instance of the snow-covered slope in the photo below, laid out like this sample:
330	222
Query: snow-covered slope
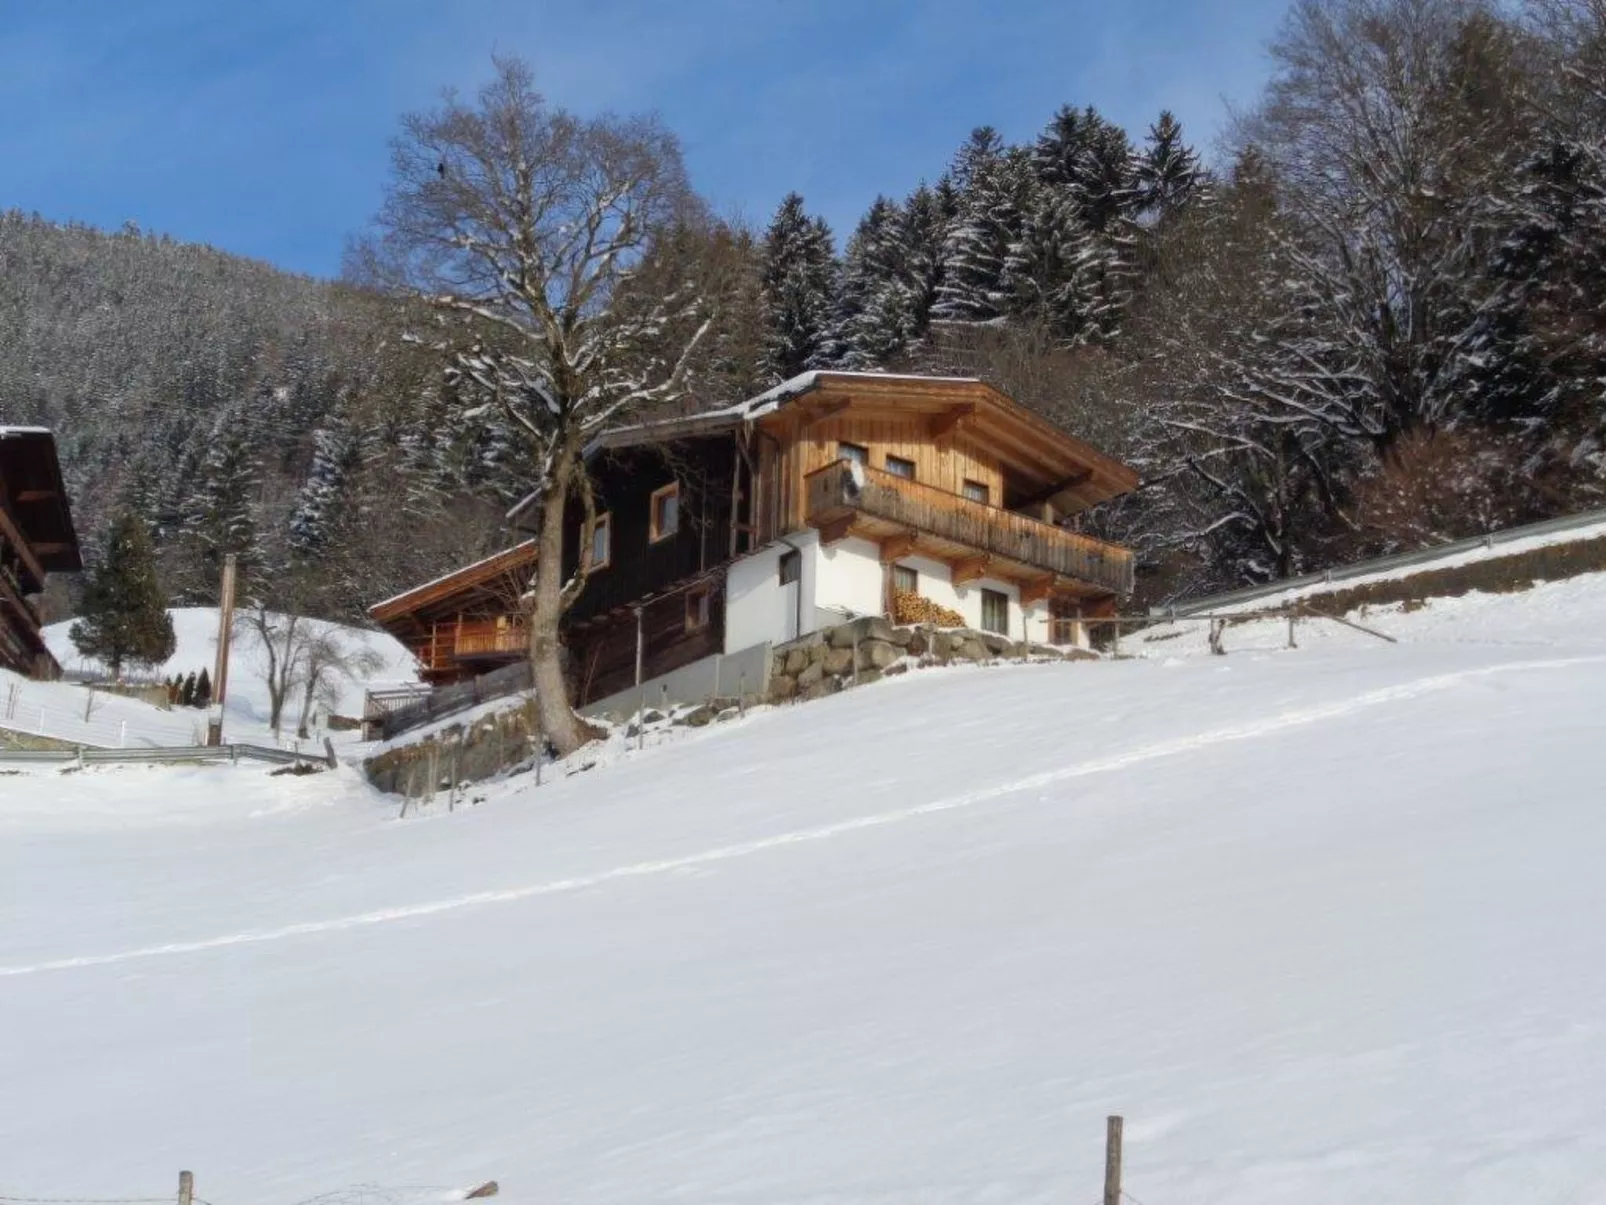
1325	926
247	708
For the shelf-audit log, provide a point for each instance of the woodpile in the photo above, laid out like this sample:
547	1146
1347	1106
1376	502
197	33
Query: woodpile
908	607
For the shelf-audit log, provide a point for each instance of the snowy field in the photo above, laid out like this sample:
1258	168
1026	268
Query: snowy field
1326	926
58	709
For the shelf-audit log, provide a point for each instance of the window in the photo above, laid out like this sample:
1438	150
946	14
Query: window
699	607
899	467
977	491
791	567
855	452
995	612
665	514
602	541
905	580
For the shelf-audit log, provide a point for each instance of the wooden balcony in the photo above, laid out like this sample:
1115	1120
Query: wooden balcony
454	641
977	540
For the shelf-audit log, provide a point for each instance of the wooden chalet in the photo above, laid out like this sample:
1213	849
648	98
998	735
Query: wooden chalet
36	538
466	622
813	503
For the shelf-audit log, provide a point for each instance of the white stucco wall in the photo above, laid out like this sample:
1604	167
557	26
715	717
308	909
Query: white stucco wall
845	581
848	581
756	606
936	583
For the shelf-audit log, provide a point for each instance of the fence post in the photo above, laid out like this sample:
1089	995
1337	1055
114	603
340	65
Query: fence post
1112	1161
122	735
1293	616
186	1188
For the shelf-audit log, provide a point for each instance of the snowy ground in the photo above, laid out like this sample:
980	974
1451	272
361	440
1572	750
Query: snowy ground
1325	926
58	709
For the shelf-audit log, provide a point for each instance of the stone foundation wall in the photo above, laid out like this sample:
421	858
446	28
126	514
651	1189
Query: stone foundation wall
464	753
869	649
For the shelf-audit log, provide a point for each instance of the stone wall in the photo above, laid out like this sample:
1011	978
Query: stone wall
459	753
869	649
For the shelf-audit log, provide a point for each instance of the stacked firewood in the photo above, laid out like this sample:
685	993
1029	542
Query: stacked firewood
908	607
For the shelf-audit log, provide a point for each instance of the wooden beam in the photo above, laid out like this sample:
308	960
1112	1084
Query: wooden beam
968	569
940	424
895	548
35	495
1080	477
816	413
20	546
1036	591
836	529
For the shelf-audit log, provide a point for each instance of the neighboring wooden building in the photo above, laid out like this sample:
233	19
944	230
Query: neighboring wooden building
36	538
808	505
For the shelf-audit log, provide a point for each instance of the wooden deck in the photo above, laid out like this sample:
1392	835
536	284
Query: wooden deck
976	540
452	642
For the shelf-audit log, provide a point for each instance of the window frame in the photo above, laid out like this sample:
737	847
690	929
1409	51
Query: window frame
602	522
903	463
655	534
999	598
792	559
914	578
699	607
859	454
981	487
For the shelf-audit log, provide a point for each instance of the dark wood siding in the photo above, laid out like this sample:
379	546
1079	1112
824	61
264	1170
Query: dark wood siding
603	655
656	575
641	567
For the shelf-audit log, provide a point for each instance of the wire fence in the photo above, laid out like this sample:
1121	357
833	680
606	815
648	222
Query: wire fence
1382	564
87	717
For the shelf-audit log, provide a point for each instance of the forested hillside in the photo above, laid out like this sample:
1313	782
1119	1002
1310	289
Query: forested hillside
1377	320
240	409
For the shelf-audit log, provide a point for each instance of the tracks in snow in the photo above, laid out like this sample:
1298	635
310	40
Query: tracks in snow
1249	730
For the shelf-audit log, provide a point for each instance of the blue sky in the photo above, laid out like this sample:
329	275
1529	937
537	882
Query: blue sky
262	127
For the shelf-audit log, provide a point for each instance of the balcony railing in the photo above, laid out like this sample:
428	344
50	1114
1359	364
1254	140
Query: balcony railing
460	640
985	530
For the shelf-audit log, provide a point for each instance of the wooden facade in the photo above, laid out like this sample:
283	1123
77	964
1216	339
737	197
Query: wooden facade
466	622
945	469
36	539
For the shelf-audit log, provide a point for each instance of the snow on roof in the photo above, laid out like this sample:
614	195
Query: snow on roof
458	572
805	381
7	432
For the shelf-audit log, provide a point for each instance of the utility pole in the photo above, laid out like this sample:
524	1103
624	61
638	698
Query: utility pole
225	631
1112	1161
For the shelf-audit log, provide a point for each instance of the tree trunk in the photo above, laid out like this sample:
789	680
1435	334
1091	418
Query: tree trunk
560	724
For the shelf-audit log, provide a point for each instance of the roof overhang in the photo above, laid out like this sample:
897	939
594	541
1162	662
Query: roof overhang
495	578
1043	462
32	491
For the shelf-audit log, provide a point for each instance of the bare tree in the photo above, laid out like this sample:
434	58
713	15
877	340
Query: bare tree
1387	125
545	242
280	640
329	657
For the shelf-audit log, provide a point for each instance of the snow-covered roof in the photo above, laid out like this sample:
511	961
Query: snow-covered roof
8	432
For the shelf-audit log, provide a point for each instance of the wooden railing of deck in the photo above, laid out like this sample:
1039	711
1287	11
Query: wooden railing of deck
988	529
452	640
